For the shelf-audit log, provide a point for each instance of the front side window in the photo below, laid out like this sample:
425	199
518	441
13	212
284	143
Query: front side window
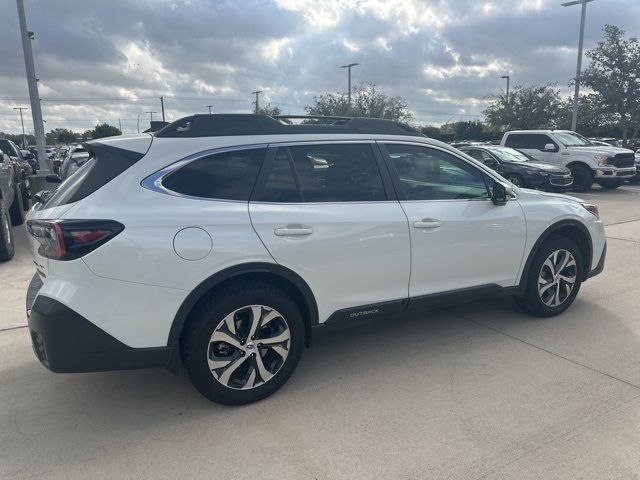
510	155
431	174
571	139
225	175
337	173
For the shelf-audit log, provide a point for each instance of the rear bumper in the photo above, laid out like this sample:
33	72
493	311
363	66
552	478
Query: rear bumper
64	342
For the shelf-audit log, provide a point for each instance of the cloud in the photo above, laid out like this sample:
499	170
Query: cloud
112	61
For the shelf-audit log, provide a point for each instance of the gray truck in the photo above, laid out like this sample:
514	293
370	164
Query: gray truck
11	208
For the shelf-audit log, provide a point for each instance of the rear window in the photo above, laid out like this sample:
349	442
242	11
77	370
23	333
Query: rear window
105	165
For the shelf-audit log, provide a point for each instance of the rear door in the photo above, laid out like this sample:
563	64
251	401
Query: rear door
328	212
533	144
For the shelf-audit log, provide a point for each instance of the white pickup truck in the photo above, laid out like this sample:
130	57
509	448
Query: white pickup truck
610	167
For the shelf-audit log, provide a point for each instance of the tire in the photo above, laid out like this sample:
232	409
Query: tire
24	192
16	211
582	178
610	185
515	179
213	319
635	179
544	304
7	248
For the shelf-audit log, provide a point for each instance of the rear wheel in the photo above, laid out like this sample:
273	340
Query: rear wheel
515	179
6	235
610	184
242	343
554	278
582	178
16	211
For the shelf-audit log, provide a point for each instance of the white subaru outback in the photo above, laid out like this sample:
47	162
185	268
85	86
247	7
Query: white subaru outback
222	240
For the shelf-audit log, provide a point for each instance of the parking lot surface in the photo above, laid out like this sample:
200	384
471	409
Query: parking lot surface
478	391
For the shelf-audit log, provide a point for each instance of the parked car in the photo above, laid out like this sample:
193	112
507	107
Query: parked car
224	240
606	141
11	211
58	158
22	168
73	163
521	169
610	167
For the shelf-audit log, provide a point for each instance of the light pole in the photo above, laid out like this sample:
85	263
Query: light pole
24	140
348	67
138	123
209	107
150	116
257	94
574	117
162	105
32	83
507	96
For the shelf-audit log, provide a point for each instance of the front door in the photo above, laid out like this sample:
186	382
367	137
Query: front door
459	238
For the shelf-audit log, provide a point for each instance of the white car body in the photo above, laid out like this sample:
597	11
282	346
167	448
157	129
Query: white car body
361	258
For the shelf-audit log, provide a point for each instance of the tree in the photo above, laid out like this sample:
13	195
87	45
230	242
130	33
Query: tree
594	118
367	100
17	138
468	130
538	106
268	109
614	74
104	130
60	135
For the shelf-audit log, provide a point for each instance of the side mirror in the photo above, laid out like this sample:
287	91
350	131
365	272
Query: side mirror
500	193
53	179
490	162
549	147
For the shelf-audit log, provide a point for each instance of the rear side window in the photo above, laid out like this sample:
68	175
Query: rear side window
225	175
337	173
105	165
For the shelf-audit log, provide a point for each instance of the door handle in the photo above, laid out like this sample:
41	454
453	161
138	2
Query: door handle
427	223
293	231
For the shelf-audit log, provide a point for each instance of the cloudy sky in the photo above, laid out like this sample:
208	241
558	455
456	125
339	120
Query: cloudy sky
104	60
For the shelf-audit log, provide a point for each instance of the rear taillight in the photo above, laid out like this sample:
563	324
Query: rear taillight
71	239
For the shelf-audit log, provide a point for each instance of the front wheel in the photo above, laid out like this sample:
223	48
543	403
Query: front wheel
554	278
611	184
242	343
16	211
24	193
515	179
6	235
582	178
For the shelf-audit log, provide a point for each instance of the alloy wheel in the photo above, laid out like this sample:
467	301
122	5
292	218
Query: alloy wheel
557	278
248	347
515	180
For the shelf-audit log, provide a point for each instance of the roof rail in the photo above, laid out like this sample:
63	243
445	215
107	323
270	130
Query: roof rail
232	124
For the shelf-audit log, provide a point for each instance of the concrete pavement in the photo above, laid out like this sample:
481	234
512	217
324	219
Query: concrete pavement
479	391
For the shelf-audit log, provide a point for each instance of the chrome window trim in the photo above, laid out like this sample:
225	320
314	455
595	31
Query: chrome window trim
154	181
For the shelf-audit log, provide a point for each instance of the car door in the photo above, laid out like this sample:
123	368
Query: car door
533	144
459	238
327	211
